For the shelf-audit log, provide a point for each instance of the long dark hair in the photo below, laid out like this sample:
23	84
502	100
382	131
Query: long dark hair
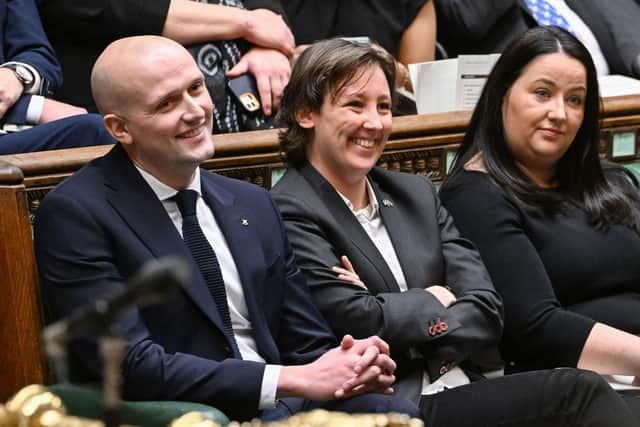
580	175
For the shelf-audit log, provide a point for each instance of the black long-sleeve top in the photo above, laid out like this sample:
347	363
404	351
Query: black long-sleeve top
557	274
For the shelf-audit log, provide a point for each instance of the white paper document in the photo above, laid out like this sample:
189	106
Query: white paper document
621	382
615	85
450	84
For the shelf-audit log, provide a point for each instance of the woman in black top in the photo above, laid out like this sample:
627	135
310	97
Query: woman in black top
557	230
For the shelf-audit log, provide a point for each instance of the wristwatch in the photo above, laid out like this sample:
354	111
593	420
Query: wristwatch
23	74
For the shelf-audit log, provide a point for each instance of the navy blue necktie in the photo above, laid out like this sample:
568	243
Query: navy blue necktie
545	14
206	259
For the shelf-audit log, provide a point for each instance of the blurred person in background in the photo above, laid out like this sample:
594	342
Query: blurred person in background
29	74
227	38
607	30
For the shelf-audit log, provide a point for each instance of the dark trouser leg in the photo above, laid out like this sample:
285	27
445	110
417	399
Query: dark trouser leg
558	397
365	403
75	131
633	402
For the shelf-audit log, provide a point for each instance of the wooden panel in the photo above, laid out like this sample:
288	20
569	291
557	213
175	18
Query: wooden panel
21	361
260	148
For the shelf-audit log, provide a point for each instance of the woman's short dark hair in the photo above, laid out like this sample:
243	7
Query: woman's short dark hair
324	69
580	174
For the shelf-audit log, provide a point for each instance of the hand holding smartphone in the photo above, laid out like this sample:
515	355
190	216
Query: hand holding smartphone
245	91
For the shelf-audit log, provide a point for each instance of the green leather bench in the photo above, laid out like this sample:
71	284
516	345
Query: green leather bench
86	402
634	168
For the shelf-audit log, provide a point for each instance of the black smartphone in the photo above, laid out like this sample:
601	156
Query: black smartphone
245	91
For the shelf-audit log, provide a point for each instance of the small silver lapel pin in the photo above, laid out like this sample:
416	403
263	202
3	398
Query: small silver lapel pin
387	203
244	221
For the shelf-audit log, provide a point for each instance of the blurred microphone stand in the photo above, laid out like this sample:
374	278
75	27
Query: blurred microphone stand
112	348
155	281
55	345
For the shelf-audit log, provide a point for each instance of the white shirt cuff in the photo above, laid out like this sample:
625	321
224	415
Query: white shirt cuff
34	109
37	80
269	386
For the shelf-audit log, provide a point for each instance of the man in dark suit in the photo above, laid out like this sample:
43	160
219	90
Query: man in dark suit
615	27
468	27
96	229
29	73
228	38
408	276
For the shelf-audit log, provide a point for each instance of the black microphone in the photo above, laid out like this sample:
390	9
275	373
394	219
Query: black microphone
155	281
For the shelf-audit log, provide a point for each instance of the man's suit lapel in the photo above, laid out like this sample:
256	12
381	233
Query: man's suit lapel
343	216
238	225
526	11
133	199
